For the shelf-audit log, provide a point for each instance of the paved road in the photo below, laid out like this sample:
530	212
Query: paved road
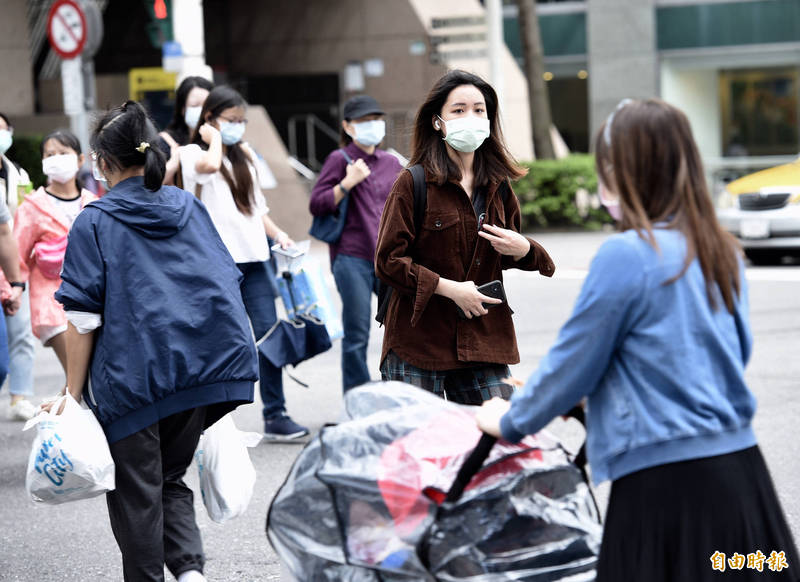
73	542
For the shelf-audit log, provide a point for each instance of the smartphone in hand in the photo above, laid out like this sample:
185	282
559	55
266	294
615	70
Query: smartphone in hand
491	289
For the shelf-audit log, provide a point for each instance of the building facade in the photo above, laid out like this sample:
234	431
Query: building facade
731	65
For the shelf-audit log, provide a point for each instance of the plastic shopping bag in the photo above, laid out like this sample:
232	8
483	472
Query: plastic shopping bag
227	475
310	295
69	459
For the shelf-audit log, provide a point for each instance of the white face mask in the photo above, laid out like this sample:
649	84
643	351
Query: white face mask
191	116
466	134
370	133
61	168
97	174
5	140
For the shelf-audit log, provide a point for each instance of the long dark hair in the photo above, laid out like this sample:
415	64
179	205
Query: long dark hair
118	137
67	139
241	183
649	158
492	163
177	128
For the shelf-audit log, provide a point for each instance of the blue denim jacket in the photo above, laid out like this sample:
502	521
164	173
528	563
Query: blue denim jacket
662	369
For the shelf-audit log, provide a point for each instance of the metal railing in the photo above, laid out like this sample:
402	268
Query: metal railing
311	123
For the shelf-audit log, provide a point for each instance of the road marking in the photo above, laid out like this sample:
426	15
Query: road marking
791	274
760	274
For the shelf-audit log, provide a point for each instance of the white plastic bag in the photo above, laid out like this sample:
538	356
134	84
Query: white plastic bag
69	459
227	475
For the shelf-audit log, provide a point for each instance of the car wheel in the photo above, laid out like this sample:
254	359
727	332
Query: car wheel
764	256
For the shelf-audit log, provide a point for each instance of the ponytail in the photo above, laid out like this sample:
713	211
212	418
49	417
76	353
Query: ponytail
125	137
155	165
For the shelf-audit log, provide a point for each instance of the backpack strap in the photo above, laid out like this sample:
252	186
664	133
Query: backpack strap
420	195
505	190
385	291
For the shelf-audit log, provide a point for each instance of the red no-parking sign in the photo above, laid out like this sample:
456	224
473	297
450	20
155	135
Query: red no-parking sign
66	28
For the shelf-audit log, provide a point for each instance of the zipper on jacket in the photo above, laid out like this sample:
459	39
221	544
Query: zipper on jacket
89	387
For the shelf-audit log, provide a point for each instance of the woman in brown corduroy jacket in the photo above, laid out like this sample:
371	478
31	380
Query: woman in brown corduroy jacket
469	234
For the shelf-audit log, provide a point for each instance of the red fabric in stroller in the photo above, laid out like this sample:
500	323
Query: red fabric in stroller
411	468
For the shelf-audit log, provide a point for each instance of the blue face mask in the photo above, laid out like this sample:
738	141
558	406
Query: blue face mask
231	132
370	133
5	140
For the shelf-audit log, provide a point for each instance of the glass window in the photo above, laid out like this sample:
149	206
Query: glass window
759	112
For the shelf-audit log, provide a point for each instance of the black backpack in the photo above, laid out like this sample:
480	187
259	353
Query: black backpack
420	202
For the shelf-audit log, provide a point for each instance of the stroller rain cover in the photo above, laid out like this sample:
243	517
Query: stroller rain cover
364	500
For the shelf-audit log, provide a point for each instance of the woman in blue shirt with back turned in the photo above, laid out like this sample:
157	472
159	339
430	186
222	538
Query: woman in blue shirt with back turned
658	341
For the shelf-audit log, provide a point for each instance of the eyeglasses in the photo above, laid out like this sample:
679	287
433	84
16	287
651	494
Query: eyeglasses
232	120
610	120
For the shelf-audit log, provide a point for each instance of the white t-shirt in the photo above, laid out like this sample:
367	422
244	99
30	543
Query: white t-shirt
243	235
70	208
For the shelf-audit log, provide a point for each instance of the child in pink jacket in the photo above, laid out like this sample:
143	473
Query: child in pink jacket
41	226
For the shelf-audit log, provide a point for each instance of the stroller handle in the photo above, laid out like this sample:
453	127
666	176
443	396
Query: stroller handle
480	453
471	466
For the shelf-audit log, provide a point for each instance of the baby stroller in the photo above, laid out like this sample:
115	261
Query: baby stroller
401	492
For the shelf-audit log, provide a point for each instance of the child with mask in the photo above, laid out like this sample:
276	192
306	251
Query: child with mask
221	170
365	174
41	226
468	235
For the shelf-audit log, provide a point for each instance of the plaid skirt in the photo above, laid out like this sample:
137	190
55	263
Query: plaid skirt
470	385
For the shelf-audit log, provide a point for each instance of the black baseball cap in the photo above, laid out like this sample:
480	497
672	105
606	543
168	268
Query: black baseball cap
359	106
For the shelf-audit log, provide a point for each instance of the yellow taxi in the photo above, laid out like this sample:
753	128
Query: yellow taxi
763	211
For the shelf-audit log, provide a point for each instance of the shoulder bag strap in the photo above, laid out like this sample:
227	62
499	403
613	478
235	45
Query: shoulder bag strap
346	156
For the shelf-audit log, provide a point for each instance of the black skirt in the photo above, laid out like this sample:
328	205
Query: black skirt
674	522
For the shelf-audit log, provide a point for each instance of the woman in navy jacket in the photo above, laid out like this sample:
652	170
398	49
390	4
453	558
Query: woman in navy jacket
158	340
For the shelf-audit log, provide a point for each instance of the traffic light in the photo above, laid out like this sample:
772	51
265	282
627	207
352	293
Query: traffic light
159	27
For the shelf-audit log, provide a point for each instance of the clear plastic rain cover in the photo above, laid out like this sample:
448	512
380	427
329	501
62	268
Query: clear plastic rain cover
364	500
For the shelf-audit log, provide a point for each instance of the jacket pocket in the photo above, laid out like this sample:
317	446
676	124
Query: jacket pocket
439	242
440	221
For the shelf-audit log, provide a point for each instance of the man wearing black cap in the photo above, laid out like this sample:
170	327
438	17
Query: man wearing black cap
365	174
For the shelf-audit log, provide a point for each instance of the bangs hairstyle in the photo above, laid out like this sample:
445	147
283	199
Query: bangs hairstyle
65	138
177	128
117	135
241	182
649	158
493	163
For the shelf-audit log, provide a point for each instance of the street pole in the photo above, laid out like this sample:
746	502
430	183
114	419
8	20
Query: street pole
187	30
494	22
73	84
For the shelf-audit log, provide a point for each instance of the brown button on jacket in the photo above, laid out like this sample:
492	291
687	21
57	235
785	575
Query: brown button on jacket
423	328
